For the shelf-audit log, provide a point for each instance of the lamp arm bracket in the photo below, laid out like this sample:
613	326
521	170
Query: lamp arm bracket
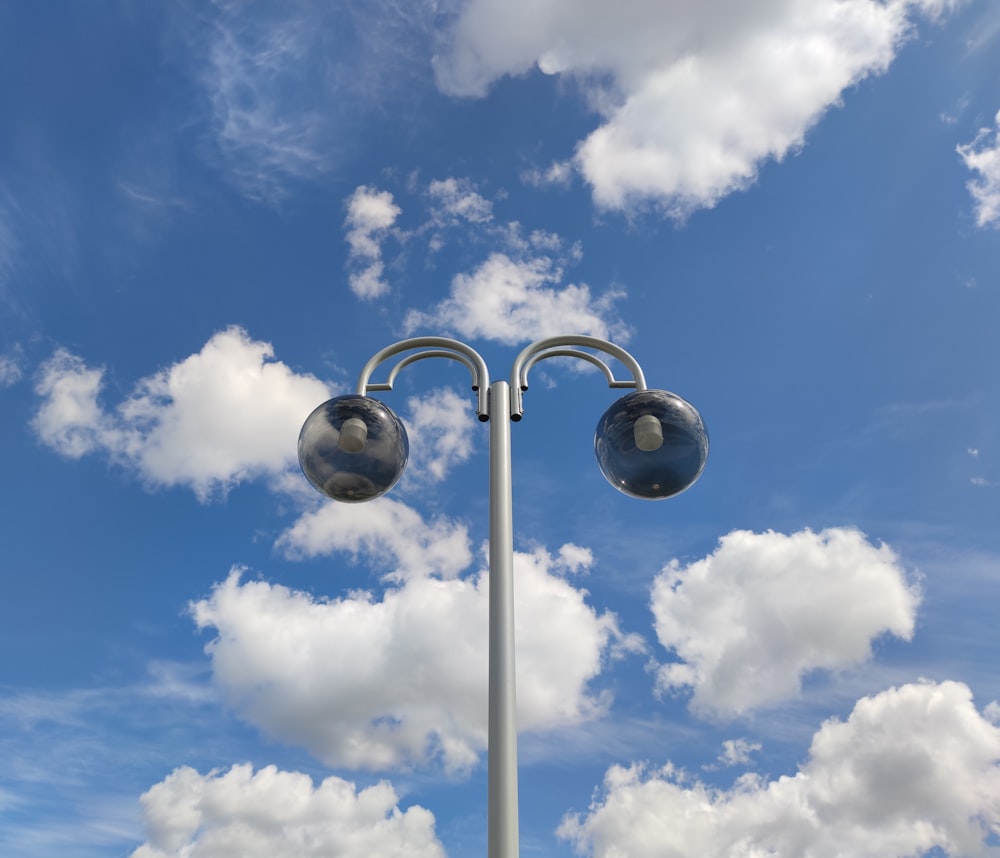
568	346
443	347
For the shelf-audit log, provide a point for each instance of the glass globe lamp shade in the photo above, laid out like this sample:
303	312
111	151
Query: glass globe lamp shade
651	444
353	448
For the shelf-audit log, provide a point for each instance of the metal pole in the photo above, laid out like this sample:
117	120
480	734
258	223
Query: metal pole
502	803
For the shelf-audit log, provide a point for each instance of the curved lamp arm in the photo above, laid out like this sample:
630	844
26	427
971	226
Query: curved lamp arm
432	347
562	346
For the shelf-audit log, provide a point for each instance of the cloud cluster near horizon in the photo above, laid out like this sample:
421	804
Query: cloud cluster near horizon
744	625
279	814
912	769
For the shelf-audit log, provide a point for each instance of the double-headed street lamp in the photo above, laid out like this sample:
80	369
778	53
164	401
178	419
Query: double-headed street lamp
649	444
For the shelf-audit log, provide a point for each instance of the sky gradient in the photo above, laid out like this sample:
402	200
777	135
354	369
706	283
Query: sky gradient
213	214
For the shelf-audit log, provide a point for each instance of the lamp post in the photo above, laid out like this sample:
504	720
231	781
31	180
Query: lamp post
649	444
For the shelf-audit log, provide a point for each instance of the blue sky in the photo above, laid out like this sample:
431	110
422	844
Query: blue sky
211	216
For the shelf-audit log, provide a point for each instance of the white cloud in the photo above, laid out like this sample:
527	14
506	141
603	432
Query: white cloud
517	293
217	418
519	300
256	78
982	156
288	86
736	752
913	768
559	173
377	683
395	536
442	428
370	215
750	620
456	201
279	814
694	96
69	419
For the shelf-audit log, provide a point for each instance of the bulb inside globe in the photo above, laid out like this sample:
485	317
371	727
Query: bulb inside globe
353	448
648	433
353	434
651	444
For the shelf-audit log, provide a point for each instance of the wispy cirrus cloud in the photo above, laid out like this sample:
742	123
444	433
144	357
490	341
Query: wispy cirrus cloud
267	118
288	87
75	759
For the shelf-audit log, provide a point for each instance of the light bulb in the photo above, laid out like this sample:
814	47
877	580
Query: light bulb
353	434
648	433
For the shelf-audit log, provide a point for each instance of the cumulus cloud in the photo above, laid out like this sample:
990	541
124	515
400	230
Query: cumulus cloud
219	417
982	156
912	769
693	97
279	814
401	679
370	215
513	300
388	532
750	620
69	420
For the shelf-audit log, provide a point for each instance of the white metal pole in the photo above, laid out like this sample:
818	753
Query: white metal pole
502	755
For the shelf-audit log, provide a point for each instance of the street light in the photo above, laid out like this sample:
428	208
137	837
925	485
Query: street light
649	444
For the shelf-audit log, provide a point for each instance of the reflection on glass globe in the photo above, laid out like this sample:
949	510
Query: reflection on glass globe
353	448
651	444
